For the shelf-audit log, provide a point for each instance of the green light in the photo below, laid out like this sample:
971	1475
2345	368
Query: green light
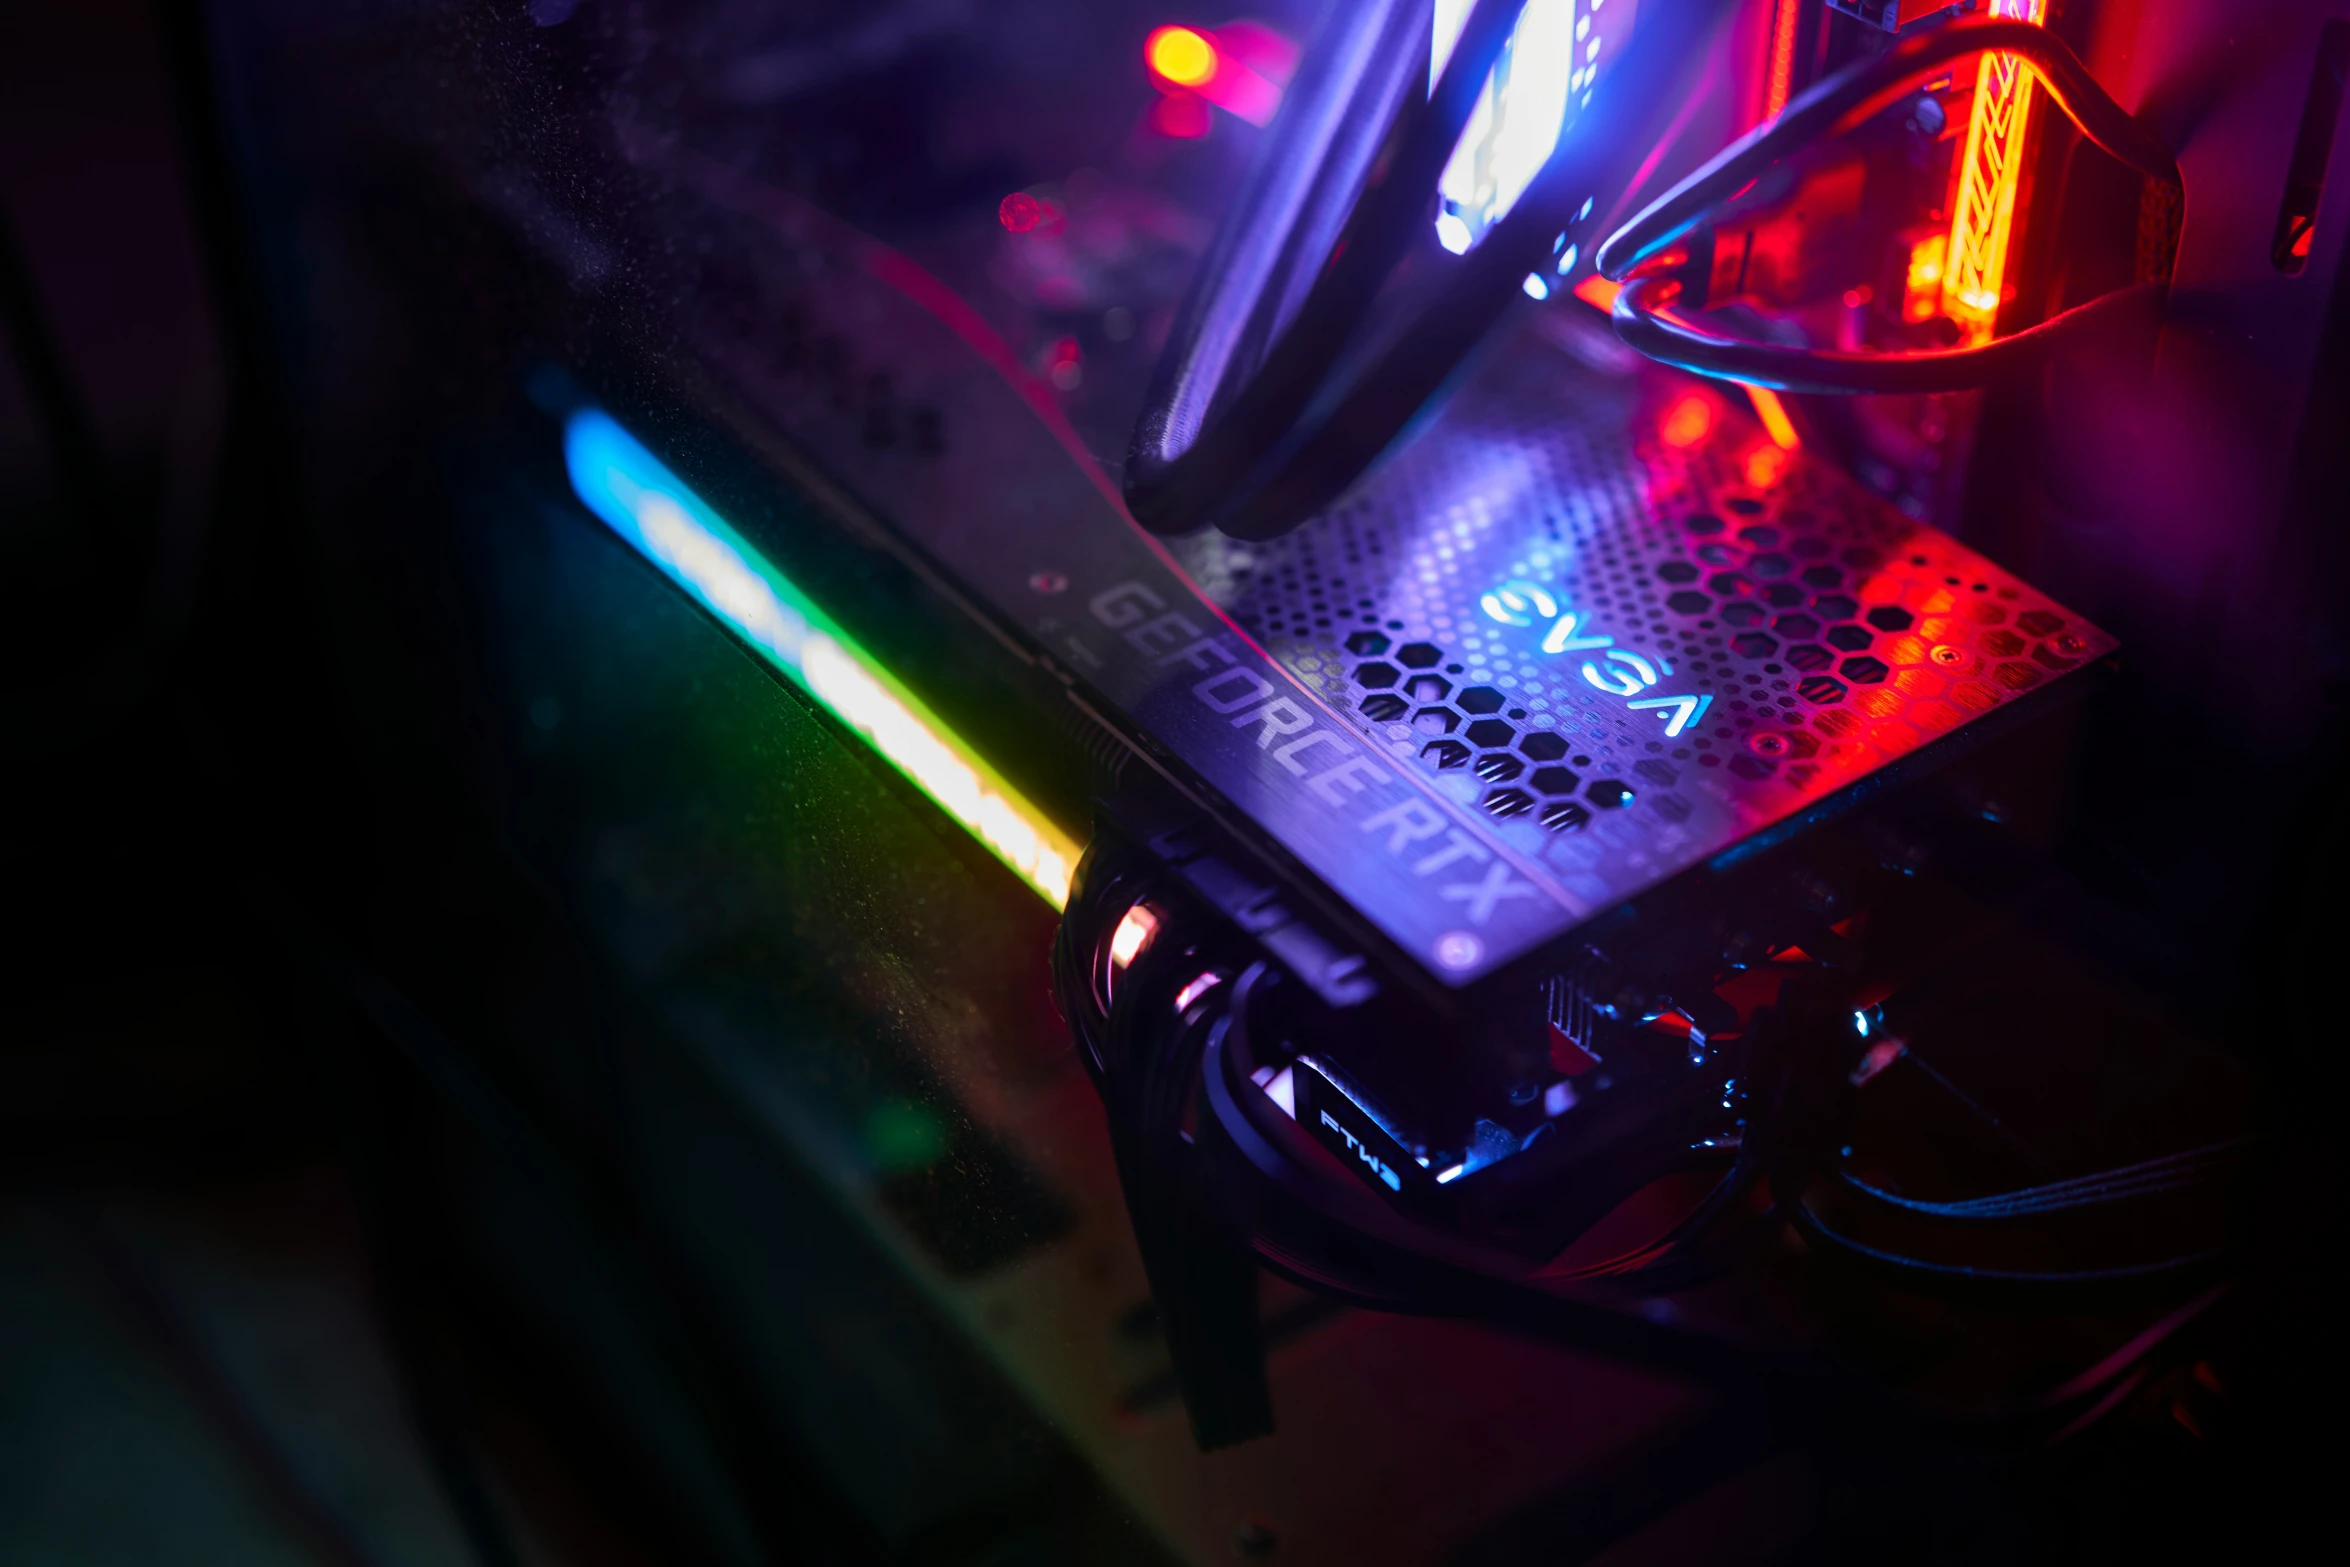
668	524
901	1135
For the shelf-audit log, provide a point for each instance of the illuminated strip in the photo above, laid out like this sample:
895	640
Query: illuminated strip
670	526
1598	292
1982	205
1774	417
1781	80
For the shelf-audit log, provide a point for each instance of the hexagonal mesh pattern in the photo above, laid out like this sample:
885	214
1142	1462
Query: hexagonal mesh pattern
1627	647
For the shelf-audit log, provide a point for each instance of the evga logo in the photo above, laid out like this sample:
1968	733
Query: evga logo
1379	1166
1617	671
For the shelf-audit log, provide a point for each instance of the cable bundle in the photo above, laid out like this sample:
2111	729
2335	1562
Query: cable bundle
1634	253
1279	387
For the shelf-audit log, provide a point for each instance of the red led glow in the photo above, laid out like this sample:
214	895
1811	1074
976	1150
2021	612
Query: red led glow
1020	212
1183	116
1687	422
1598	292
1567	1058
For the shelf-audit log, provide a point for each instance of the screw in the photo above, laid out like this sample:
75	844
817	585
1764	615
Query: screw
1457	949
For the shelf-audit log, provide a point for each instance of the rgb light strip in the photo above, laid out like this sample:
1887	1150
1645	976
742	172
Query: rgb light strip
669	525
1982	204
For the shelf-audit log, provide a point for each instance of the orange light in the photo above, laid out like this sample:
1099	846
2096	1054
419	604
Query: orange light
1921	292
1688	422
1766	466
1773	414
1982	202
1782	68
1184	61
1598	292
1180	56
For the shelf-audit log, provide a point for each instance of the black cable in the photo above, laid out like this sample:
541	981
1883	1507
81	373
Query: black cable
1203	1275
1350	118
1715	1234
1852	95
2181	1171
1815	1155
1708	1240
1256	453
1405	1262
1343	1242
1827	109
1964	1279
1836	372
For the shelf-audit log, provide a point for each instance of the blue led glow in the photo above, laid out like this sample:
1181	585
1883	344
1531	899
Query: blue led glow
1637	675
1686	710
1562	637
1517	602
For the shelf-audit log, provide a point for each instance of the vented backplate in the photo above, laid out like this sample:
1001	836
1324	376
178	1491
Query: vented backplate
1612	617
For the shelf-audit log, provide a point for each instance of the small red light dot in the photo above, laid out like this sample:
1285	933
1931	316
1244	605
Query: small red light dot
1181	115
1020	212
